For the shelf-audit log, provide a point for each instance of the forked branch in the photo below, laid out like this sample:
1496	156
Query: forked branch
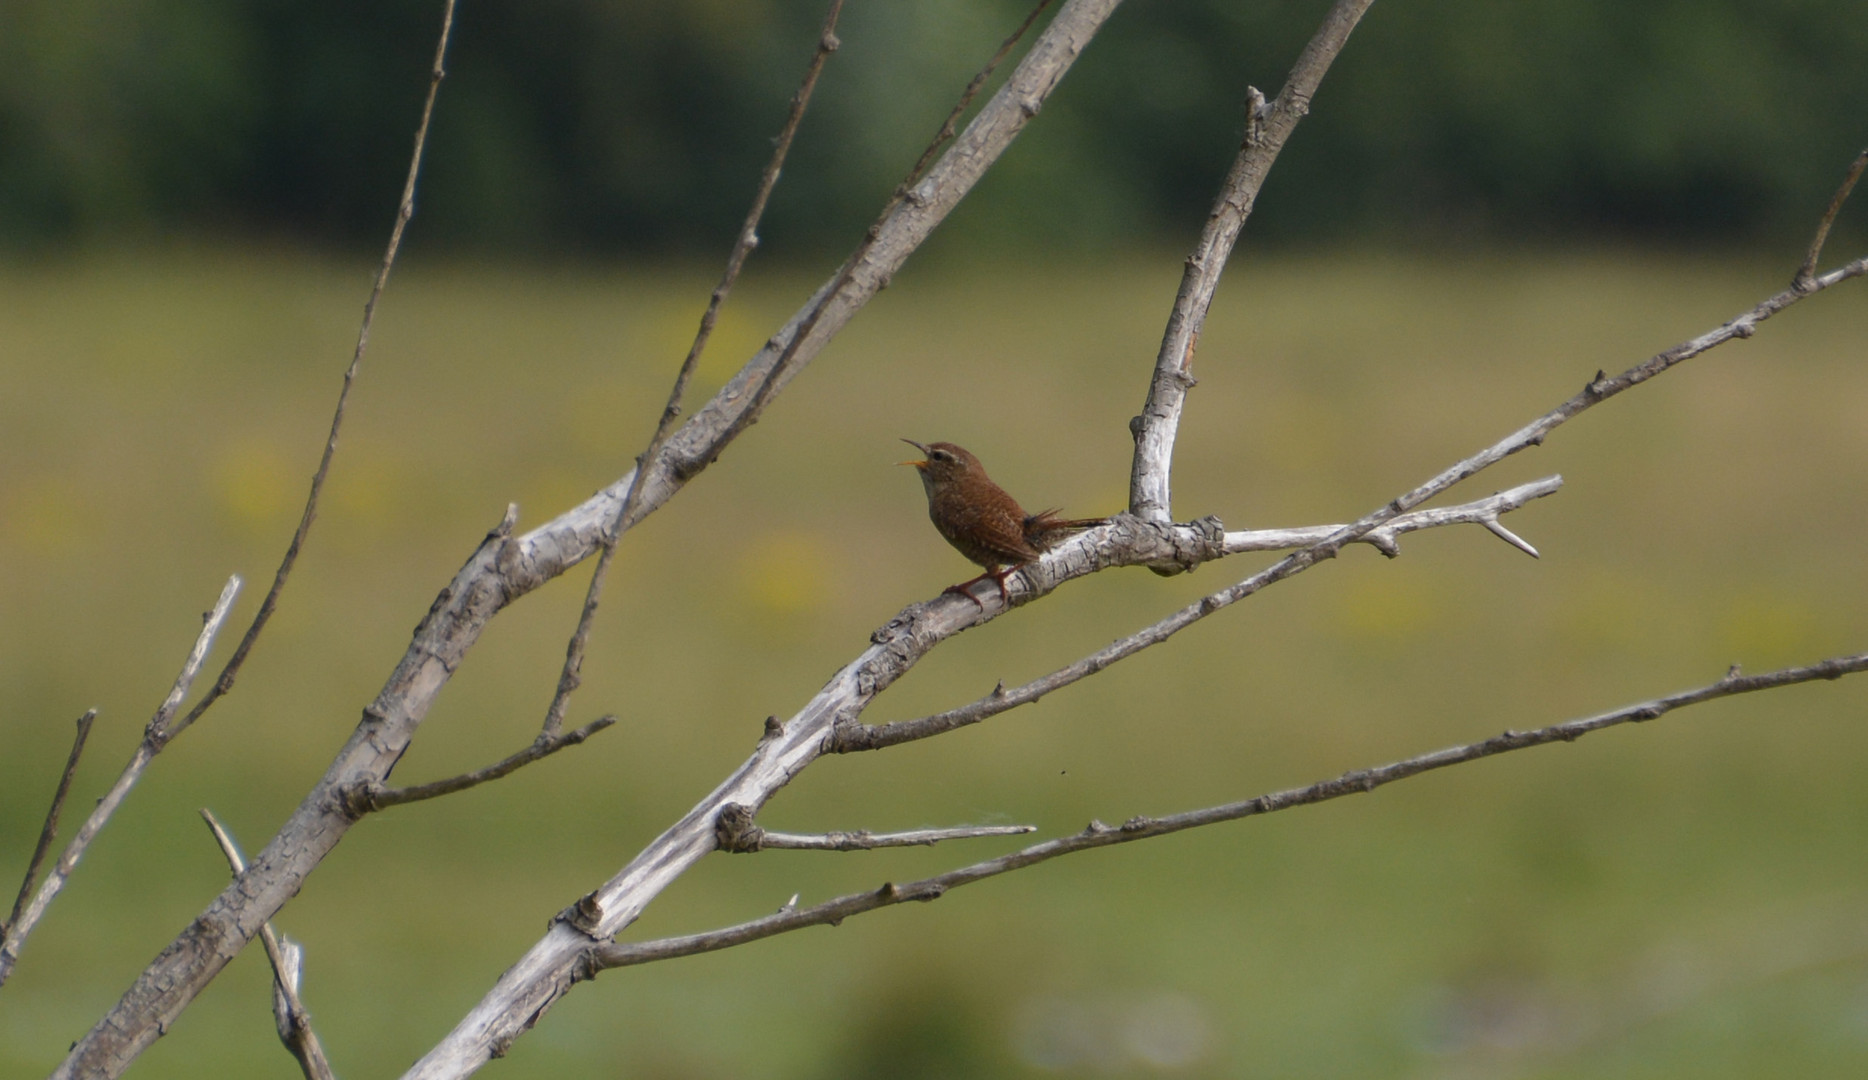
1808	270
570	677
156	735
364	798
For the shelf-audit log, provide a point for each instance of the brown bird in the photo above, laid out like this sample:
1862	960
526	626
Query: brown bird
981	521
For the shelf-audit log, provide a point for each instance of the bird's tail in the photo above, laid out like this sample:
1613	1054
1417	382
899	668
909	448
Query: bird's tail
1045	528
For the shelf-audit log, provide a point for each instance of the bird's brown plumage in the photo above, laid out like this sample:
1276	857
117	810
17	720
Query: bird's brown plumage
980	519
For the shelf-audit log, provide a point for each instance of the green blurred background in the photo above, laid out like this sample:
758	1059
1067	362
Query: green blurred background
1487	206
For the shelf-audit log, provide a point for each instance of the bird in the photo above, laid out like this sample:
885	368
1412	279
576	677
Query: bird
981	521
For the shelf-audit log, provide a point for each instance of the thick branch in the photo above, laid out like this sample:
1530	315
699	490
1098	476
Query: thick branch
603	957
506	567
1266	129
156	735
289	1013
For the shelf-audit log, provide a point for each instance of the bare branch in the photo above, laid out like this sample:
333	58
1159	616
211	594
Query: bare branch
1266	129
1808	269
570	677
404	212
1386	539
736	832
289	1012
852	735
601	958
504	568
155	736
50	830
362	799
1070	559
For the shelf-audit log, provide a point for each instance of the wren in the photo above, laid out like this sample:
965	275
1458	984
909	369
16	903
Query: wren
981	521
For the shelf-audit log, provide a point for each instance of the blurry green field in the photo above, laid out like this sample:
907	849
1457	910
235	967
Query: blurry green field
1687	898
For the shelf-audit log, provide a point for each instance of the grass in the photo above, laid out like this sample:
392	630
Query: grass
1681	899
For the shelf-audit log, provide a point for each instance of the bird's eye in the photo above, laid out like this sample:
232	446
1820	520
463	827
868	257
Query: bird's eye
940	455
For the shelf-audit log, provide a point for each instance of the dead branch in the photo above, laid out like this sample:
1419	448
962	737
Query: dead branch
736	832
50	831
570	678
1808	269
404	211
600	958
1266	129
156	735
361	800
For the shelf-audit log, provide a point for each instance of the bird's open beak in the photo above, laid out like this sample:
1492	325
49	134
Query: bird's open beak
917	464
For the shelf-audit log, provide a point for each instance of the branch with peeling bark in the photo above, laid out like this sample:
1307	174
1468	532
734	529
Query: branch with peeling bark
602	958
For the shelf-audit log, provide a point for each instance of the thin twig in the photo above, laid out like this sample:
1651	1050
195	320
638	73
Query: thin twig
737	832
1808	269
948	126
155	736
863	840
791	358
289	1012
363	799
570	677
1266	129
603	957
404	212
50	831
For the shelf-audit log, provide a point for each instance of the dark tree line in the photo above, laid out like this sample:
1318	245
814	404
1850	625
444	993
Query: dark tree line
603	125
